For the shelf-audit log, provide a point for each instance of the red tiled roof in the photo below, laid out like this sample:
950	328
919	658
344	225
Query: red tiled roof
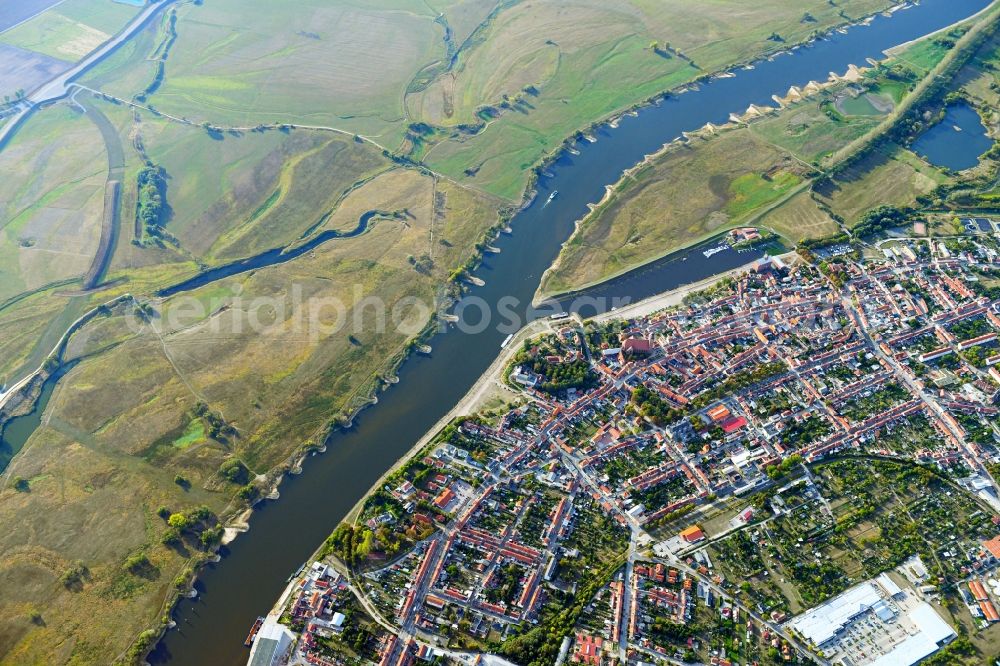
733	424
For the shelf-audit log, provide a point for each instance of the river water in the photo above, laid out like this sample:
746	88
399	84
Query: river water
283	534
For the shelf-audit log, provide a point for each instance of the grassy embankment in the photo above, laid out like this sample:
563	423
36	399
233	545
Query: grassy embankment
691	193
613	56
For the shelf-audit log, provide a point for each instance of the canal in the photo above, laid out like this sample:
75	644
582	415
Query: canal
283	534
15	433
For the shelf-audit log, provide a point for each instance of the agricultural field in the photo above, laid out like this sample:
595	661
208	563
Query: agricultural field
14	13
25	70
51	201
670	203
799	218
71	29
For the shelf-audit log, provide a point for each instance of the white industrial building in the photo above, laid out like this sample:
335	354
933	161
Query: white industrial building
894	627
271	645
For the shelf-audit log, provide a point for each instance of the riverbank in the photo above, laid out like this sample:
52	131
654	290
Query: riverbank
676	297
541	296
896	50
469	404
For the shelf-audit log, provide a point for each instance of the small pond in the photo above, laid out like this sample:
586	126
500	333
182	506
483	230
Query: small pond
957	141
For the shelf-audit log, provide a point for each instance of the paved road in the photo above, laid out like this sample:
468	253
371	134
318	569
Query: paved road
58	87
4	395
13	390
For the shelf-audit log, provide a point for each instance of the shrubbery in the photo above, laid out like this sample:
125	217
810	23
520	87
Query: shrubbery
150	208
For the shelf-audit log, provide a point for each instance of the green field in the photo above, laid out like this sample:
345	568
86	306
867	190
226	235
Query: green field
799	218
51	206
51	201
235	196
72	29
808	132
979	79
244	63
924	54
862	105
